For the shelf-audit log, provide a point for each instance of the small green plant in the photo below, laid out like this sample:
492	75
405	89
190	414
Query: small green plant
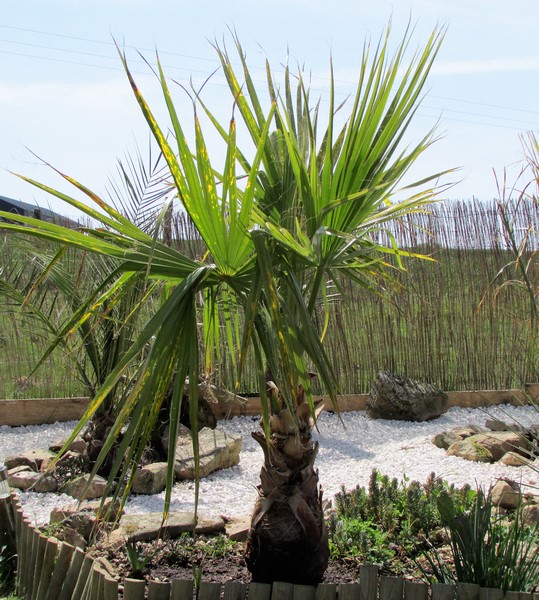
54	530
362	540
487	549
138	558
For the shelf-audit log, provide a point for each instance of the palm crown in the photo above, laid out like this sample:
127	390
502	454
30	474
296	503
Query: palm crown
277	227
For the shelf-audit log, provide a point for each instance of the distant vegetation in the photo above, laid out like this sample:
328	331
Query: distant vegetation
459	321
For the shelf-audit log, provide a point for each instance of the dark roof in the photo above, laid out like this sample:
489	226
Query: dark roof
33	210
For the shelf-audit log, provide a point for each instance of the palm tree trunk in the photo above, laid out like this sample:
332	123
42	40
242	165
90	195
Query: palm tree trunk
288	539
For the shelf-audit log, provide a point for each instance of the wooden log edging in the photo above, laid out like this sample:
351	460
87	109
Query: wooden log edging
48	569
39	411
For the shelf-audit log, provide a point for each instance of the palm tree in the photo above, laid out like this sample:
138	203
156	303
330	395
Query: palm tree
280	227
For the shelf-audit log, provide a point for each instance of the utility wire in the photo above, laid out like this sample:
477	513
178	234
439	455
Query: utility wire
204	73
201	58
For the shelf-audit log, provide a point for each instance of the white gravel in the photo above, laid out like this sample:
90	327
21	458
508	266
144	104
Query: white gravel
347	455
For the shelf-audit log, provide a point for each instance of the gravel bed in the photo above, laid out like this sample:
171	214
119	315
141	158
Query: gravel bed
349	450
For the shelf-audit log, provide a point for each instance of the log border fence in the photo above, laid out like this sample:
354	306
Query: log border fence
38	411
48	569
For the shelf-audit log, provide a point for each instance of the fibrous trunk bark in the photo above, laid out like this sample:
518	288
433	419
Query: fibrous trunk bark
288	539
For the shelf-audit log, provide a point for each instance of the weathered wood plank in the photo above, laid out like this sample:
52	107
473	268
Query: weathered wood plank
442	591
304	592
414	590
72	575
512	596
159	590
182	589
33	539
209	591
134	589
24	553
110	589
259	591
41	546
98	588
82	579
38	411
281	590
326	591
349	591
467	591
368	582
60	569
391	588
91	587
234	590
48	558
490	594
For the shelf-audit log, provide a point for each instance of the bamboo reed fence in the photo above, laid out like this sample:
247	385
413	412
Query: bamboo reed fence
51	570
445	321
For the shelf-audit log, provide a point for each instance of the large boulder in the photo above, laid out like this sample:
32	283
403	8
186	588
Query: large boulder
396	397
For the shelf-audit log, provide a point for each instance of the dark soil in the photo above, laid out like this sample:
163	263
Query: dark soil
180	559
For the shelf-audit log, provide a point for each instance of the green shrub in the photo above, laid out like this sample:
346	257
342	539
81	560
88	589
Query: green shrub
403	510
487	549
362	540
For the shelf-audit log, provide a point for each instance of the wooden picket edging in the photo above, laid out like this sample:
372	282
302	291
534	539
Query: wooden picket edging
48	569
38	411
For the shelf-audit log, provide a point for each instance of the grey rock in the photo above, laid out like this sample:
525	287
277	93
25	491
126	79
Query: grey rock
23	480
470	450
512	459
77	445
82	488
150	479
237	528
217	450
74	538
530	515
184	437
445	439
21	469
83	523
70	462
110	510
468	430
138	528
32	459
396	397
497	425
46	483
501	442
504	496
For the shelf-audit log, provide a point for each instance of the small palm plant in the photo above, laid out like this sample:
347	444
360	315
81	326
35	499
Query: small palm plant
303	212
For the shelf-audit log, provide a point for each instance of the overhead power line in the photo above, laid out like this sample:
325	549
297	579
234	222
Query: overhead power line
443	110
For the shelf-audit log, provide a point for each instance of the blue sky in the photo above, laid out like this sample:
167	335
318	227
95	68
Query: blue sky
64	97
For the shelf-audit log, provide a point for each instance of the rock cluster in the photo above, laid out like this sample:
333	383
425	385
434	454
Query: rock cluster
77	523
30	470
495	442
